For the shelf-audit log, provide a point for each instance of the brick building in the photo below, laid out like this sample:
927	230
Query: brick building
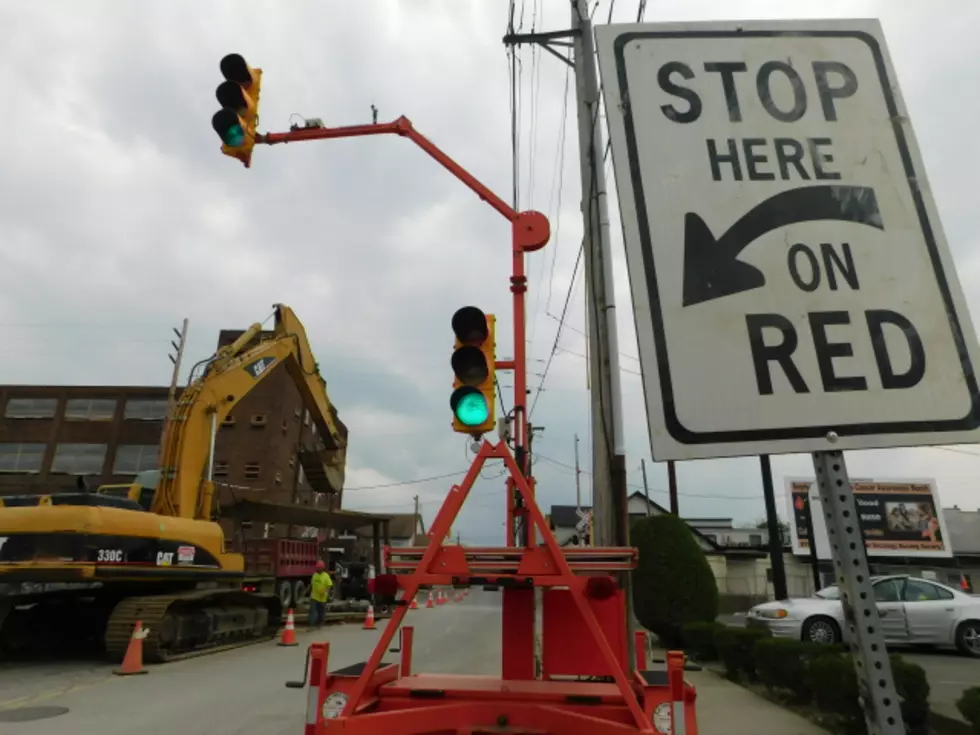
51	435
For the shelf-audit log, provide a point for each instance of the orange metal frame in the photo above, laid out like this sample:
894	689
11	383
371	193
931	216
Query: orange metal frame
376	698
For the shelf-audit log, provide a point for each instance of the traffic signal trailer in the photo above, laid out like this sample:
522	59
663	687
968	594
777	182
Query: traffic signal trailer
584	609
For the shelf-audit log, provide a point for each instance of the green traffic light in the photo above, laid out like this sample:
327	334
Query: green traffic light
228	125
234	136
470	407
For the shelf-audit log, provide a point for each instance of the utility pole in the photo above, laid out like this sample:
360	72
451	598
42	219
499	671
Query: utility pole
609	497
775	538
608	461
646	489
176	359
812	542
578	479
672	487
415	520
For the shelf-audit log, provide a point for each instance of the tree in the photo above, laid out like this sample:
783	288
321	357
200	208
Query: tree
673	584
783	528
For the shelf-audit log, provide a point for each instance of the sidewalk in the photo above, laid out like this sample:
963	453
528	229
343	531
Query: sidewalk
725	708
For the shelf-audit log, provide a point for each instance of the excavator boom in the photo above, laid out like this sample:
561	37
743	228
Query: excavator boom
186	489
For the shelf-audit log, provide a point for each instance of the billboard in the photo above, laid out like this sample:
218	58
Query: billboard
898	518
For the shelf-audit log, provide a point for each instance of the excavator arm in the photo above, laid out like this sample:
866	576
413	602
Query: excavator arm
185	488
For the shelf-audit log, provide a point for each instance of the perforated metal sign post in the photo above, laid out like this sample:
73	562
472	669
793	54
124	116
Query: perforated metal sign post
862	633
792	287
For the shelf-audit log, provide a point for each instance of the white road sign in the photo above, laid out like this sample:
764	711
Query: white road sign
792	287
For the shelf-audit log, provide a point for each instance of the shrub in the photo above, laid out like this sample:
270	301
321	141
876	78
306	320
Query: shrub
833	680
781	664
912	686
701	640
969	707
737	649
672	584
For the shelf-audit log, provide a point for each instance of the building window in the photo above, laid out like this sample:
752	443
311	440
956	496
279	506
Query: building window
24	459
755	539
252	470
133	458
90	409
220	469
31	408
145	409
79	459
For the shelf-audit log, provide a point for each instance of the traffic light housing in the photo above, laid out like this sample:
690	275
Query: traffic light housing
238	117
473	363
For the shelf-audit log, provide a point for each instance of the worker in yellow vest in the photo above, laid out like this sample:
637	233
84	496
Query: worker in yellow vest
319	592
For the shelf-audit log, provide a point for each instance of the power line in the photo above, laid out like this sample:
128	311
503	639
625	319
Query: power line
653	490
554	348
409	482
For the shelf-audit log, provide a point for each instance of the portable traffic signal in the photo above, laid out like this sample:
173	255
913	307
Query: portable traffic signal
238	96
473	365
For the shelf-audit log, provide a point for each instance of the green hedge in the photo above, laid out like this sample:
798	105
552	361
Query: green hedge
700	640
670	559
969	707
822	676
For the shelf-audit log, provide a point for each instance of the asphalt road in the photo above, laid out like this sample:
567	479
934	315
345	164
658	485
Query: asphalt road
239	692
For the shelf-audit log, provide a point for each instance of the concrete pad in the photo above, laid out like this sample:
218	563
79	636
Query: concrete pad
724	708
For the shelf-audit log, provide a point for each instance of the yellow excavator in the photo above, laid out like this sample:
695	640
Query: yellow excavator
152	550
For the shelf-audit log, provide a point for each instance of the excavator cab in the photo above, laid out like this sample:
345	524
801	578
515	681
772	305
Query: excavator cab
140	490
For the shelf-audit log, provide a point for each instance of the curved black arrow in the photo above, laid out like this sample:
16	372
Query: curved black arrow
711	266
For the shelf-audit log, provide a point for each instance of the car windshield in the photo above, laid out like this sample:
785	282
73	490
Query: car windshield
828	593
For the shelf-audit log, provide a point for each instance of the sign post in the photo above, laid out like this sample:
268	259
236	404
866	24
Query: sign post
792	287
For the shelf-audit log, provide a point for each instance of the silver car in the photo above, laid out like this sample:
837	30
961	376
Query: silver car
913	611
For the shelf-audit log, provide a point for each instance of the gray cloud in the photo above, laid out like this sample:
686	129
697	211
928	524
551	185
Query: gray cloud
119	216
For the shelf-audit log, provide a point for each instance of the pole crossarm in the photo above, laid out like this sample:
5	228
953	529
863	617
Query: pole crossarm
545	41
531	229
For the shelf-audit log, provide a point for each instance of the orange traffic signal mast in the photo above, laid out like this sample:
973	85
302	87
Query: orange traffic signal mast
583	608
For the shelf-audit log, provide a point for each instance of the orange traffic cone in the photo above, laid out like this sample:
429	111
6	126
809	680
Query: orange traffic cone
441	599
431	603
459	597
133	660
289	632
415	603
369	618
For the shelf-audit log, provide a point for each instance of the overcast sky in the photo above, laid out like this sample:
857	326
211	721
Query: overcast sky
119	216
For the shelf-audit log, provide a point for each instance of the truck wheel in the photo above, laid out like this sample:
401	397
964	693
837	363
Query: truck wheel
300	592
286	594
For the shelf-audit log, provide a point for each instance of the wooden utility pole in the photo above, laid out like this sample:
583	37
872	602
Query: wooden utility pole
609	495
775	538
176	359
672	487
415	521
646	489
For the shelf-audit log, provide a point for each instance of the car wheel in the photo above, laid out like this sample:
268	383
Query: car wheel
968	638
821	630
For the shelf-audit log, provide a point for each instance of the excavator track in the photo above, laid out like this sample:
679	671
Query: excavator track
188	624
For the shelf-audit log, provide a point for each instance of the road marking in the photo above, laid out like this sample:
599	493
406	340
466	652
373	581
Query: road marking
51	694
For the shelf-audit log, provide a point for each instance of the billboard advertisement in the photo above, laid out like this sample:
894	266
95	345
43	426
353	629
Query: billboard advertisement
898	518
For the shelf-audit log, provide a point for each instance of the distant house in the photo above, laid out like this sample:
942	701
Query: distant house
564	518
739	556
404	529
